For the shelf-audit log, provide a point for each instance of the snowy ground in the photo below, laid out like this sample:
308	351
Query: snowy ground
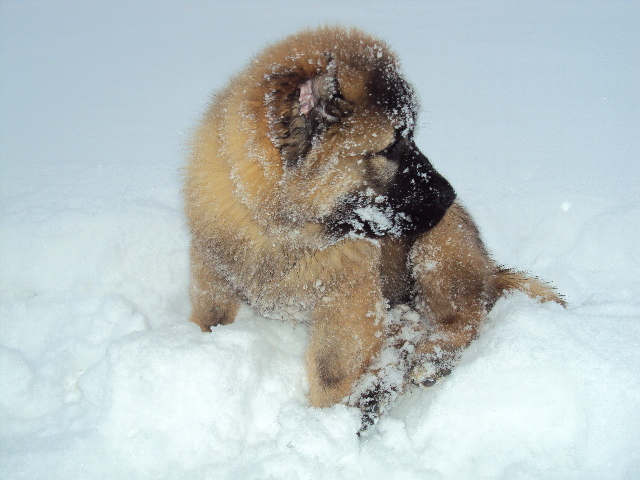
531	109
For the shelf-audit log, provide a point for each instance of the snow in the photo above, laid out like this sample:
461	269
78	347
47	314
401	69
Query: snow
530	109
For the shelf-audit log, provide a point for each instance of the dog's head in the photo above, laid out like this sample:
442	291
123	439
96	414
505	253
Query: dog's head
342	119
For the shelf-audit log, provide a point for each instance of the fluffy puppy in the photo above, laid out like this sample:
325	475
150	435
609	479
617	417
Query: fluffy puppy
307	198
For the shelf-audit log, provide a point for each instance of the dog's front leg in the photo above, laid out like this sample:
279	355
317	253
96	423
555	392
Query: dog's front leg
346	334
212	300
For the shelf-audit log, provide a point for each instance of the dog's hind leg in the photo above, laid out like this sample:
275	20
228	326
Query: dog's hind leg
455	287
457	283
212	300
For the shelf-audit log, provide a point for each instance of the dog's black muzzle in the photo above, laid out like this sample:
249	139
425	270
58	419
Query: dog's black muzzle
414	201
419	193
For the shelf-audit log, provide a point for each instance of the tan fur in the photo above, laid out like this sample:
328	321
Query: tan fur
257	217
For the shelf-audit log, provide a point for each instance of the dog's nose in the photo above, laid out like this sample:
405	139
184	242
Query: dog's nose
447	197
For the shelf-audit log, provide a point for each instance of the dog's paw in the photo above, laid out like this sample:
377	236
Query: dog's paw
372	402
430	364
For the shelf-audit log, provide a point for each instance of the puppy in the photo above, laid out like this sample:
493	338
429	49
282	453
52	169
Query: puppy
307	198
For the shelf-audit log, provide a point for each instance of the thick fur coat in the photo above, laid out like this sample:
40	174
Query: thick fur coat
308	199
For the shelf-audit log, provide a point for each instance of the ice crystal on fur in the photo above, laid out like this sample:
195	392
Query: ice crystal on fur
377	218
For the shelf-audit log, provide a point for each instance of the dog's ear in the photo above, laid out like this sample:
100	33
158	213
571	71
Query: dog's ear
319	99
314	109
319	105
309	110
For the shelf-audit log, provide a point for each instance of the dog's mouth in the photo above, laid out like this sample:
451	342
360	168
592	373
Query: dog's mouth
389	216
411	203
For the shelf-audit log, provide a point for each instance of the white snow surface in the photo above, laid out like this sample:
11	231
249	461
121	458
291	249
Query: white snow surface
530	109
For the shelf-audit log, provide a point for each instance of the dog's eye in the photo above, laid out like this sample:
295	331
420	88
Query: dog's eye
391	151
390	147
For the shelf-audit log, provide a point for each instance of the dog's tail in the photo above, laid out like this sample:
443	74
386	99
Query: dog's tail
507	280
